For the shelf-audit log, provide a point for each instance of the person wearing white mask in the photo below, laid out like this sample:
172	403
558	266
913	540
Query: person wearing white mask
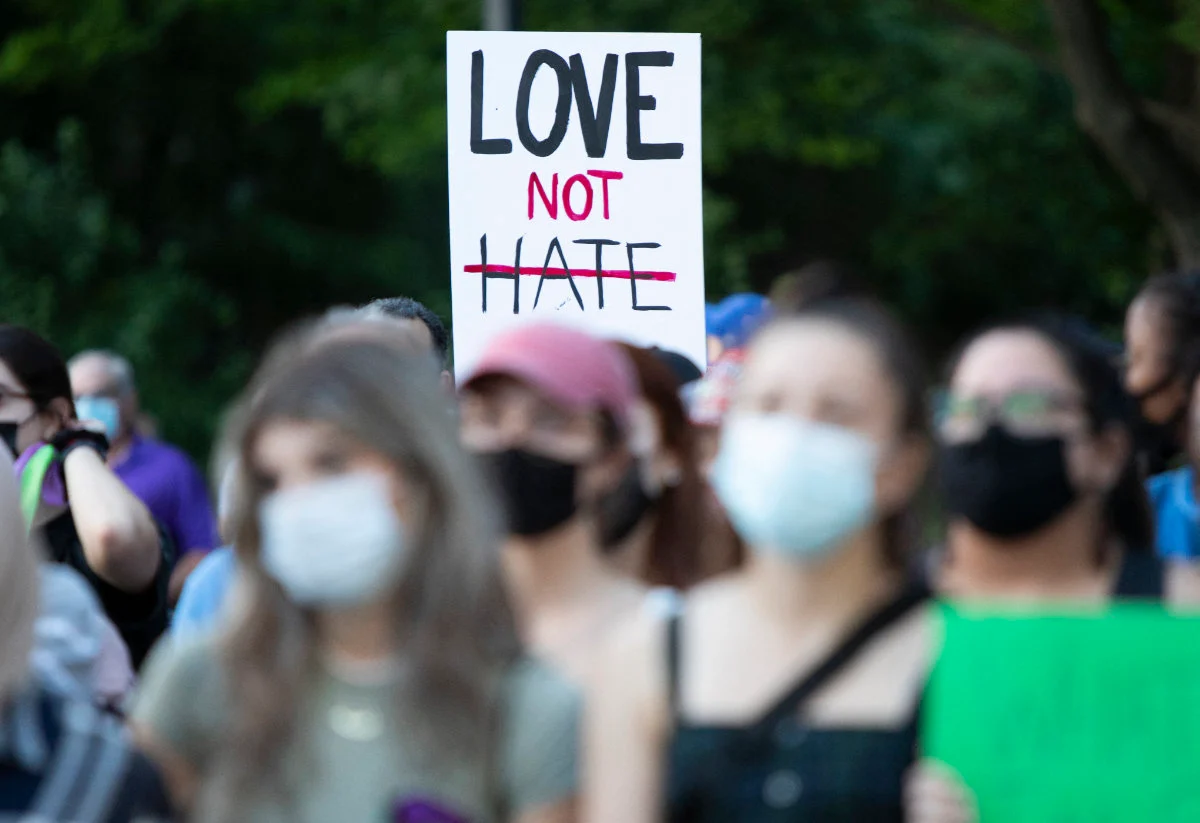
788	689
371	669
202	604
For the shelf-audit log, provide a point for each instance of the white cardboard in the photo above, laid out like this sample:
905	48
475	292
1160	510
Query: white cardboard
655	201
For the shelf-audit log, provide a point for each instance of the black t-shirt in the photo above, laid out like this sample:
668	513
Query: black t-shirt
140	617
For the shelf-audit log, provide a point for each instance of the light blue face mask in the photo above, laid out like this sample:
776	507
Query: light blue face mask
793	487
103	410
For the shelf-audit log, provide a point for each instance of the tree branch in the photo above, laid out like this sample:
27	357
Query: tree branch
1179	122
1109	110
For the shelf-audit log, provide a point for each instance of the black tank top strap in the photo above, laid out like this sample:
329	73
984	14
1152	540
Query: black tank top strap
874	624
674	629
1142	577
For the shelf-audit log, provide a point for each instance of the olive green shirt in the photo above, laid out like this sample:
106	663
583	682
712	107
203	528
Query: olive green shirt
351	761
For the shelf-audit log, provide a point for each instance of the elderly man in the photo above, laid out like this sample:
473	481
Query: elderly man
161	475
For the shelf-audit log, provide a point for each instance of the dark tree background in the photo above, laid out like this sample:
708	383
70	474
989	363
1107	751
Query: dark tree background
179	178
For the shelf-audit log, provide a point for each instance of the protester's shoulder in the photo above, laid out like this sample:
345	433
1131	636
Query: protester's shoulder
204	592
1161	486
531	686
213	570
65	591
190	665
182	697
191	656
541	736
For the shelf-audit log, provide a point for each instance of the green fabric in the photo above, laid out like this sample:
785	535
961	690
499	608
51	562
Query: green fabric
33	477
1059	719
338	778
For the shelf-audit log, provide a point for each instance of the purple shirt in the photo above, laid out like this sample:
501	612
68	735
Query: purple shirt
173	489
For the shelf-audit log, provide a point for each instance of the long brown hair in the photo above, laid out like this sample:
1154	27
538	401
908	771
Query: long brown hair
674	557
451	614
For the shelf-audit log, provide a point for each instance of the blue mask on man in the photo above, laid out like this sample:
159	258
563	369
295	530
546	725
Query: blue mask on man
102	410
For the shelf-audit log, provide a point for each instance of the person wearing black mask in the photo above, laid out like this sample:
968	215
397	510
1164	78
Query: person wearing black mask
1045	503
73	502
1037	471
1162	342
550	411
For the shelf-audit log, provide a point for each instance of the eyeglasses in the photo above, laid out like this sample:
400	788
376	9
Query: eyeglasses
1033	411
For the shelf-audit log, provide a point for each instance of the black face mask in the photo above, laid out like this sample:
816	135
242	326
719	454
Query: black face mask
622	509
8	433
538	493
1004	485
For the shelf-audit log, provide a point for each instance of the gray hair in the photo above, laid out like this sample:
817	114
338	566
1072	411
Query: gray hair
119	368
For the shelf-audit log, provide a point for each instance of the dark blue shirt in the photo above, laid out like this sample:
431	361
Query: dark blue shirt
65	760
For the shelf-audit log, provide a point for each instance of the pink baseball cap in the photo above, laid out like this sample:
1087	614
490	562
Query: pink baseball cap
570	367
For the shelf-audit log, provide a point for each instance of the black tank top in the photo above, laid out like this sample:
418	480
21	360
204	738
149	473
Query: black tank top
777	769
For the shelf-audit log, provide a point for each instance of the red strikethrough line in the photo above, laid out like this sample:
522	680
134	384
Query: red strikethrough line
537	271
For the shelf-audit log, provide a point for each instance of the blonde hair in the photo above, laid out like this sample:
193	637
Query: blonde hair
19	585
450	610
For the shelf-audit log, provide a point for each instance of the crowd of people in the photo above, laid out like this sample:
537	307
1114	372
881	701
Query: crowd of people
590	582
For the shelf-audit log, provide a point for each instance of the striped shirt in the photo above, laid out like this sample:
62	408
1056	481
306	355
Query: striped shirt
64	761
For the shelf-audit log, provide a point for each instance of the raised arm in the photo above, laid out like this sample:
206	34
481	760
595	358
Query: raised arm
119	538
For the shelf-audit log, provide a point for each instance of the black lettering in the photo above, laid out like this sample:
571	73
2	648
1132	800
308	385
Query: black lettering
634	276
492	145
514	277
594	123
600	244
554	244
562	111
636	103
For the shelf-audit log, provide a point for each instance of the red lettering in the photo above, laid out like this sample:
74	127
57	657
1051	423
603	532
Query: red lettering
550	203
605	176
587	206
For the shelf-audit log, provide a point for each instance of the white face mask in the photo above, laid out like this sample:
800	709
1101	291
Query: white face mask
333	543
794	487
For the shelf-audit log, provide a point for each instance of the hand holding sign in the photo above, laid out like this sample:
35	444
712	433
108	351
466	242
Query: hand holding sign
542	193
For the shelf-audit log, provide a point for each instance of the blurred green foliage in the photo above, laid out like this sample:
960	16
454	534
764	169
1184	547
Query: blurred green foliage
182	177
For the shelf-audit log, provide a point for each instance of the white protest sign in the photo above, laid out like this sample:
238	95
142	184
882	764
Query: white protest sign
575	193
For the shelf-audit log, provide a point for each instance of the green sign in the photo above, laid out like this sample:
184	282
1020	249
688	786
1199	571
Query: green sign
1071	719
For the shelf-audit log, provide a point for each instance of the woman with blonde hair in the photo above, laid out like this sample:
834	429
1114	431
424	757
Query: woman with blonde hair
371	670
